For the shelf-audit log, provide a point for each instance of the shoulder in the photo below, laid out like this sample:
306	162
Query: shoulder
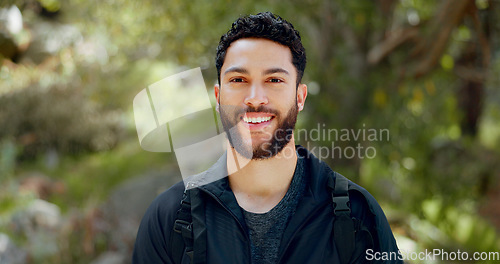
369	202
152	244
163	210
365	206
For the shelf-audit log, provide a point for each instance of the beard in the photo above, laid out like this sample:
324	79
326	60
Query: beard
278	139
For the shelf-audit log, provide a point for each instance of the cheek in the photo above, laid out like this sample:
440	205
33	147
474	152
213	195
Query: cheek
284	99
229	97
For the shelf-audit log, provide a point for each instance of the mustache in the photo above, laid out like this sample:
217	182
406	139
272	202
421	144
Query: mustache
261	109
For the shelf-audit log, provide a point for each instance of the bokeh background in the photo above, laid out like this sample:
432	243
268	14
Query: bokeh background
74	181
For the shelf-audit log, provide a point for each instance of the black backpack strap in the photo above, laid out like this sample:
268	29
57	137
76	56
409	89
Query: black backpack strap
189	235
343	226
199	230
183	231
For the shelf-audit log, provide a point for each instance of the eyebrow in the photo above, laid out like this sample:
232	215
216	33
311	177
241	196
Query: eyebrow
276	70
236	69
266	72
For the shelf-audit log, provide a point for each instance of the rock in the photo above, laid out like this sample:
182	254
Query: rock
44	214
9	253
38	215
11	23
40	223
11	19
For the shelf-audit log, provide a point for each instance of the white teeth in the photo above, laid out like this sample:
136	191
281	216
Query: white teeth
256	120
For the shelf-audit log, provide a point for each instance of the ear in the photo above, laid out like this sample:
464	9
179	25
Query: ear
301	96
217	97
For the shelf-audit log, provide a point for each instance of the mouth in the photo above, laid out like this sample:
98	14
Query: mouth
256	120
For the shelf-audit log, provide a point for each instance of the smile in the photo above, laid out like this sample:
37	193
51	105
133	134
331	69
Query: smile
256	120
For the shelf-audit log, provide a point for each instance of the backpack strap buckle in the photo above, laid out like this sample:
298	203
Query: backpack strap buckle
341	204
183	227
343	225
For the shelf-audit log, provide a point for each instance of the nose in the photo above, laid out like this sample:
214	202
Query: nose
257	96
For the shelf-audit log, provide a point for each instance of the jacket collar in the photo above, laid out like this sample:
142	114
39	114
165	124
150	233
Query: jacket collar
315	170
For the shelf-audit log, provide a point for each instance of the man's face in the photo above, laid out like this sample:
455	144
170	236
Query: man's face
258	97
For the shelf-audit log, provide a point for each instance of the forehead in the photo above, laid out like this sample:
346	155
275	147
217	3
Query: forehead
257	53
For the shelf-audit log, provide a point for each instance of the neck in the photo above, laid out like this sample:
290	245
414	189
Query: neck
260	184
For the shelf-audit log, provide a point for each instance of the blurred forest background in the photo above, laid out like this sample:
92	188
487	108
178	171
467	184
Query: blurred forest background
74	181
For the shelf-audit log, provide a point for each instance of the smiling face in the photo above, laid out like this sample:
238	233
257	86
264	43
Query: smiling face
258	98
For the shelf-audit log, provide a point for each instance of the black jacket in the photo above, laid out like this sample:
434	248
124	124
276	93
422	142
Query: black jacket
308	238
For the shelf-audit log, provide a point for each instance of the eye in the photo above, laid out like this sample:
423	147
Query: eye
275	80
236	80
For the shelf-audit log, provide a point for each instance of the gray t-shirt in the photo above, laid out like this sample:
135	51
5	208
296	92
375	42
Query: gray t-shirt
266	229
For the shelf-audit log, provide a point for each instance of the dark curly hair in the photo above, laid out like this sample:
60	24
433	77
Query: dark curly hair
268	26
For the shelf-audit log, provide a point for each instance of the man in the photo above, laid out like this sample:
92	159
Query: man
276	205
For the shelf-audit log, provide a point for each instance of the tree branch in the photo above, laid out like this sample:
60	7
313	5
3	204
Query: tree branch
450	15
394	40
